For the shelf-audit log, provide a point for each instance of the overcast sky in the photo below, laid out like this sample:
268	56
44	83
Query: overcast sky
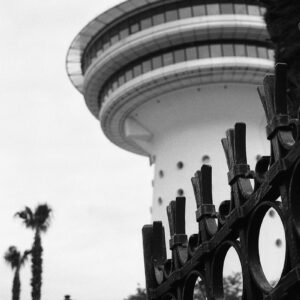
53	151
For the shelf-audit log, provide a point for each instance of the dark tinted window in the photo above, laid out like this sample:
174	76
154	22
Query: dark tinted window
215	50
115	85
98	45
185	12
253	10
203	51
93	52
240	50
179	56
213	9
128	75
124	33
240	9
226	8
157	62
137	70
106	43
191	53
107	89
262	52
251	51
228	50
158	19
168	59
114	39
121	79
146	23
171	15
134	28
199	10
146	66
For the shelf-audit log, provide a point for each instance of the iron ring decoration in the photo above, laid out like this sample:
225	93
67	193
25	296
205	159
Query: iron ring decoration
255	222
189	284
218	265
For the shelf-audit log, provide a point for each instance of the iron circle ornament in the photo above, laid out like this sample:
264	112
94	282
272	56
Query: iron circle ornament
253	232
189	284
218	266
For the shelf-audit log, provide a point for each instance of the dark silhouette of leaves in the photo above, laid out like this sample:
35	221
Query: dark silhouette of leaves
232	285
16	260
39	221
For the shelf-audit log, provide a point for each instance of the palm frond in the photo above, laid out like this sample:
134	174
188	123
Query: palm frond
42	217
12	257
20	214
27	216
29	212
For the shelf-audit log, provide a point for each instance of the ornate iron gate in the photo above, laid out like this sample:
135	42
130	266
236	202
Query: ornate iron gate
238	220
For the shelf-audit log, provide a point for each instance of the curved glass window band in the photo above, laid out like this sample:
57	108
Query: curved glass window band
159	16
180	55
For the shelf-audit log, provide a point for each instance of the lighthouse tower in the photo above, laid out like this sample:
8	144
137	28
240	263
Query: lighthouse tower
166	78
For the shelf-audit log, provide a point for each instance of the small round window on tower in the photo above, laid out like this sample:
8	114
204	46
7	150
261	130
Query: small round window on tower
160	201
272	213
161	174
205	159
180	192
278	243
180	165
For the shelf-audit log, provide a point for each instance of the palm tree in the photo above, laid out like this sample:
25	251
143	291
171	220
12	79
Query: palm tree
16	260
39	221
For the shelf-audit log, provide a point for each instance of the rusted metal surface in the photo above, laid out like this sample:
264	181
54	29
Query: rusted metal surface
237	222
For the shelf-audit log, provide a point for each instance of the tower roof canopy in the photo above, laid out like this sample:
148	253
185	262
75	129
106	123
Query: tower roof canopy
83	38
101	22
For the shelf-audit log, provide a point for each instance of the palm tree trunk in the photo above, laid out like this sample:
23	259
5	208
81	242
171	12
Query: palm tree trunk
282	18
36	267
16	288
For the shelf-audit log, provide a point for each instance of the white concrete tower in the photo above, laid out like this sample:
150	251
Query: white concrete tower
167	78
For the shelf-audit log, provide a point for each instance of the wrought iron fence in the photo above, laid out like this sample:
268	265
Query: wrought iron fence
237	222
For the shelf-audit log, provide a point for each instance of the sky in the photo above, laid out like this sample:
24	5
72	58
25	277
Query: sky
53	151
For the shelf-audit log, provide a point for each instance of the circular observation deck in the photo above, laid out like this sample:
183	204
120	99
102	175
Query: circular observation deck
142	49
